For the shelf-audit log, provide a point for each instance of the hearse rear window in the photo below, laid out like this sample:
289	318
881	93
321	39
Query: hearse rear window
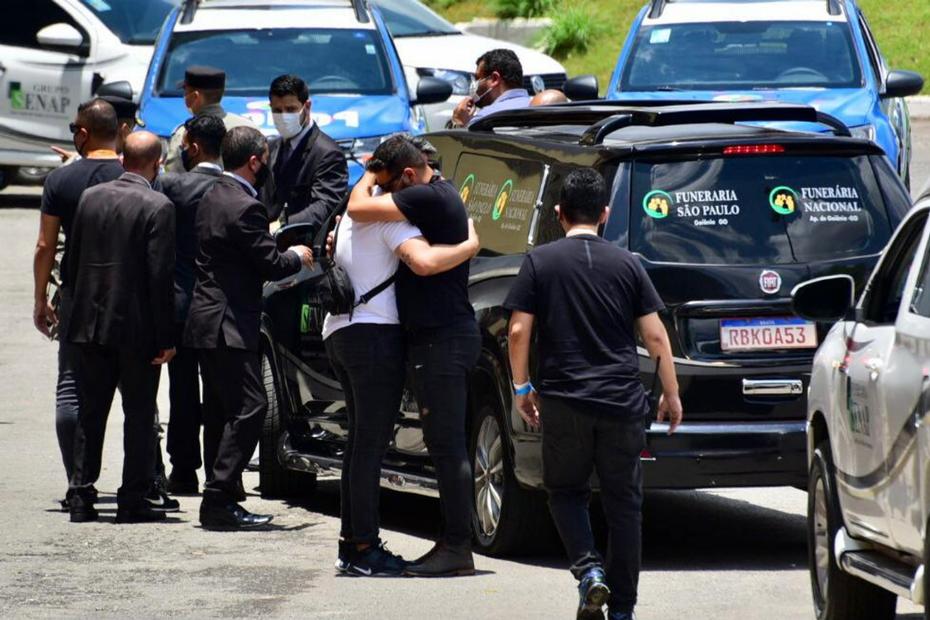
500	195
757	210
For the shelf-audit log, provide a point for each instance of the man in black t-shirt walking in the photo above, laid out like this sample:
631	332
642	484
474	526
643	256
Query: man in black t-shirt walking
443	342
590	298
95	136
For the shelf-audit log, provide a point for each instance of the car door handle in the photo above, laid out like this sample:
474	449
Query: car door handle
772	387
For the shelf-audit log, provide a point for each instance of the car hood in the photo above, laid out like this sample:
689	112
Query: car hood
850	105
341	117
459	52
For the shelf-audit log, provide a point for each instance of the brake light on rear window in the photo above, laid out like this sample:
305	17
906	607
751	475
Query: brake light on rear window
753	149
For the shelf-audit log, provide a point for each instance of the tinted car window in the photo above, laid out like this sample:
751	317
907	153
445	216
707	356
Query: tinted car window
742	55
920	303
756	210
500	195
133	21
330	60
31	16
409	18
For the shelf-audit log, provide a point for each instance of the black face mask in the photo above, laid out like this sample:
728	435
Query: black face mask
261	176
186	160
77	147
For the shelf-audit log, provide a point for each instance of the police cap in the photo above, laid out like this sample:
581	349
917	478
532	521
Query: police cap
209	78
125	108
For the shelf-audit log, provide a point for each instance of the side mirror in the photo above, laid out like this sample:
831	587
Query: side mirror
295	234
824	299
432	90
61	36
581	88
122	89
903	84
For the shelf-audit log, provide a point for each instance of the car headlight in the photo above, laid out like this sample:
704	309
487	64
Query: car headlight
865	132
460	80
360	149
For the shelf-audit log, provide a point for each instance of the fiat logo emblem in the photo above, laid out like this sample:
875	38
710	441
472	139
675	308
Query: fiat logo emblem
770	282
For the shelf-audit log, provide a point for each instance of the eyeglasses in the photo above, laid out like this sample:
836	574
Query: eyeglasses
74	127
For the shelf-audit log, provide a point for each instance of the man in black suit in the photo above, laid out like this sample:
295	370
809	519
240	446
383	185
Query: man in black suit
121	294
309	173
236	256
200	156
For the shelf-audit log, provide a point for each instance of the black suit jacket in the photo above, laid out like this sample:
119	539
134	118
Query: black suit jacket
312	182
236	256
185	190
120	274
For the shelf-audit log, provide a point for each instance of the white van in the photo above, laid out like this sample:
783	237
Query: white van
54	54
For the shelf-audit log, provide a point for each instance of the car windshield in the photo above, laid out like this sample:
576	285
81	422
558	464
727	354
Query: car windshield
342	61
409	18
757	210
742	56
136	22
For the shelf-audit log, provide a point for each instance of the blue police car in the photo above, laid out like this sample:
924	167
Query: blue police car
342	49
815	52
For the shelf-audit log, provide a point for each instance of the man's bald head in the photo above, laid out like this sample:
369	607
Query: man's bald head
142	154
549	97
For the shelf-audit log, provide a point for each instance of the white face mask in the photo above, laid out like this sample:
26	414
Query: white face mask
288	124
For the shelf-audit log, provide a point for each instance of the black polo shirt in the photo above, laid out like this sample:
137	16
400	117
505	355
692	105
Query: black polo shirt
586	295
440	300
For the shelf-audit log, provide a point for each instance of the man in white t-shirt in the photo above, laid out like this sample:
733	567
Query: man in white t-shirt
367	352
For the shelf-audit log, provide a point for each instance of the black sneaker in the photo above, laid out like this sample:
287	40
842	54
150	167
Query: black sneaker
592	595
375	560
345	553
160	502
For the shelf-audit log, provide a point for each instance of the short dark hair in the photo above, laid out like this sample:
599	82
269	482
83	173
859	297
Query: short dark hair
396	153
98	117
207	131
507	65
240	144
583	196
285	85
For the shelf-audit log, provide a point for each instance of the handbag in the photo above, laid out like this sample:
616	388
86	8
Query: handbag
335	292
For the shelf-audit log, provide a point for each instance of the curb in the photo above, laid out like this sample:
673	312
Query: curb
919	107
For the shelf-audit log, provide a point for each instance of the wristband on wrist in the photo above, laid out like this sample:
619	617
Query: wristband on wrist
523	389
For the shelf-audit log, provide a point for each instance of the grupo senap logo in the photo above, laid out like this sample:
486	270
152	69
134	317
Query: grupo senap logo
500	203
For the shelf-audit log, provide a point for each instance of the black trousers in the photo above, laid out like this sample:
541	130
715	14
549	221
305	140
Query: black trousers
576	442
368	363
234	410
184	424
441	361
100	370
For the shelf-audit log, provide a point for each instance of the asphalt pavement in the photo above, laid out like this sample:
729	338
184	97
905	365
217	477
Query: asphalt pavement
729	554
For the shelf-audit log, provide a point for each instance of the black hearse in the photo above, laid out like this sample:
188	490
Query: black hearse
726	216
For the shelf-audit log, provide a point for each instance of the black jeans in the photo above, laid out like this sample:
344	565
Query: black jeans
441	361
234	408
66	403
100	370
576	442
184	424
368	360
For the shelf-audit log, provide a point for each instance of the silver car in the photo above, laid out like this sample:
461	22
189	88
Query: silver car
868	443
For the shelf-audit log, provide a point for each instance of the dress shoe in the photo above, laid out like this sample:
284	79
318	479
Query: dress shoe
83	513
592	595
443	561
183	482
65	503
140	513
230	516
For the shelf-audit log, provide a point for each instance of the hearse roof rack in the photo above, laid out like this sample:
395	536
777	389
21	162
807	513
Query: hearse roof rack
189	8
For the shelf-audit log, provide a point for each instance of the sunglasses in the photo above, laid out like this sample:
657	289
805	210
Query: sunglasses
74	127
